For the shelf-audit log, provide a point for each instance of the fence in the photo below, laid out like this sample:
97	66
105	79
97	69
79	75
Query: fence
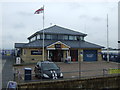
114	57
18	77
98	83
7	52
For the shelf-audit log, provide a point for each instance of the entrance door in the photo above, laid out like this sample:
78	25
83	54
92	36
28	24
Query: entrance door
74	55
56	55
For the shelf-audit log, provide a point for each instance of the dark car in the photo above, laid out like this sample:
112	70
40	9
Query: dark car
47	70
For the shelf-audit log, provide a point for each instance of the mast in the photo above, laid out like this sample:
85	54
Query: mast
107	41
43	33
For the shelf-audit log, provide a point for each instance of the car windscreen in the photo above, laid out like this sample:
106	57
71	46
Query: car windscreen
49	66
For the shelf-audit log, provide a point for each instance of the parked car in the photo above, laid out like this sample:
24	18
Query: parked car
47	70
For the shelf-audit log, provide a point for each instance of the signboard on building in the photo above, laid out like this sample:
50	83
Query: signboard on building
57	46
36	52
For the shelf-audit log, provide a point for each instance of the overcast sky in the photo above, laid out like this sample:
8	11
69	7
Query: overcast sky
19	21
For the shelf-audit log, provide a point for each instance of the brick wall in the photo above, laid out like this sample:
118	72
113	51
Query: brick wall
93	83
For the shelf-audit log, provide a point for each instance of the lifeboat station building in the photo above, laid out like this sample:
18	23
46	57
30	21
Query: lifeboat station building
59	44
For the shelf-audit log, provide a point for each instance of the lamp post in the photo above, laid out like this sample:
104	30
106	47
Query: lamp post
79	68
118	51
107	41
79	61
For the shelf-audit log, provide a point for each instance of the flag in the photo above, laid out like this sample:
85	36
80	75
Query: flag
39	11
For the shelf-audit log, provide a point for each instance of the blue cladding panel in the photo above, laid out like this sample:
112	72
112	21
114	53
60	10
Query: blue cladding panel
90	55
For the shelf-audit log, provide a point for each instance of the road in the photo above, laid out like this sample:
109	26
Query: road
1	72
7	70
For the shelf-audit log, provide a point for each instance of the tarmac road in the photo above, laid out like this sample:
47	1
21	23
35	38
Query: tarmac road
7	70
1	72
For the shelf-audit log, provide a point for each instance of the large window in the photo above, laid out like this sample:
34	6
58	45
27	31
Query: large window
66	37
81	38
33	38
48	37
72	37
41	36
54	37
75	37
60	37
38	36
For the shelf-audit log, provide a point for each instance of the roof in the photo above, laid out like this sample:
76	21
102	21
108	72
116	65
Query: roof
59	30
72	44
19	45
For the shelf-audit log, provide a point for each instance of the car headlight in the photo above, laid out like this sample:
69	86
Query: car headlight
61	75
45	75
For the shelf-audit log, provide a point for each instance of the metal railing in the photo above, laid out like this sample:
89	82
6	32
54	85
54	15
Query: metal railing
18	77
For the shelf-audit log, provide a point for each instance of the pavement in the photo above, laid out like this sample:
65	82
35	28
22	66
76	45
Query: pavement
87	69
7	70
68	69
0	72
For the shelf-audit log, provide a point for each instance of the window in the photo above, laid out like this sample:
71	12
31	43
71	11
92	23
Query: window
81	38
60	37
48	37
49	66
41	36
38	36
66	37
54	37
33	38
75	37
72	38
24	51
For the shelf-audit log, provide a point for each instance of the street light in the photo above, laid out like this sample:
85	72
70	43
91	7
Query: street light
107	41
78	38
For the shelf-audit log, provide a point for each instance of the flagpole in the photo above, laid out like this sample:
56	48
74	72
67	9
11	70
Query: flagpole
43	32
107	41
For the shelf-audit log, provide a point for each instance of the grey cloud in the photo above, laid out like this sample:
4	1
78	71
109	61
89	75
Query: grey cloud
25	13
19	26
84	16
75	5
97	18
10	36
112	9
92	18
